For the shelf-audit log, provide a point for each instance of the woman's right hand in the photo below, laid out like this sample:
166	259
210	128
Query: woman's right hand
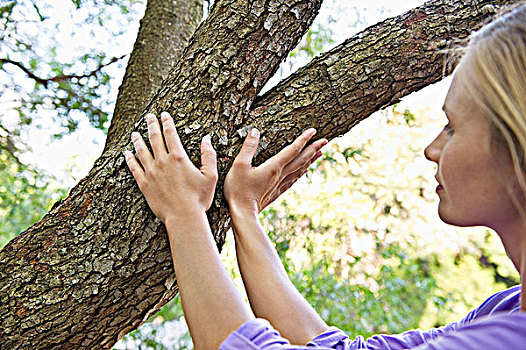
250	189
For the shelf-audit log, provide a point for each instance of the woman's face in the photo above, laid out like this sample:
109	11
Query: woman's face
471	173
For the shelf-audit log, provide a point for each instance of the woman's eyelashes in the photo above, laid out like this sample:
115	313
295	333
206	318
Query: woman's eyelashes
448	129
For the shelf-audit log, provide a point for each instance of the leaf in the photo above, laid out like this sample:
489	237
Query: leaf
7	10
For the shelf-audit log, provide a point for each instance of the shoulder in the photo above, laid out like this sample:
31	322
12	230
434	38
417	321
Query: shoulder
504	301
500	331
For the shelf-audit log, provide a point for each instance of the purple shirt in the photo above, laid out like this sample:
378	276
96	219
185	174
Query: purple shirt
494	325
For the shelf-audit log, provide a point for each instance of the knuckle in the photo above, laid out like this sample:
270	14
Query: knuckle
214	177
176	157
210	152
143	185
138	145
154	132
274	170
238	163
168	128
150	173
134	169
162	162
251	143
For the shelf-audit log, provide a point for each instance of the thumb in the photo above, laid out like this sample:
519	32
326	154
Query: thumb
208	157
249	148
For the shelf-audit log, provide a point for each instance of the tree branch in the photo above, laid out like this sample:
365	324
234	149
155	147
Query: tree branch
372	70
7	143
220	78
165	29
46	81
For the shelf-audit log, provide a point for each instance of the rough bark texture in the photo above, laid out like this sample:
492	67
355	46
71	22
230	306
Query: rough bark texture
165	29
98	265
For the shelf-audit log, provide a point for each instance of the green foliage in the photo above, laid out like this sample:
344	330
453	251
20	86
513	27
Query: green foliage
25	196
356	302
314	42
53	75
53	70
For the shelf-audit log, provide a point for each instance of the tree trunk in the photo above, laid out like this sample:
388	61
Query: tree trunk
98	264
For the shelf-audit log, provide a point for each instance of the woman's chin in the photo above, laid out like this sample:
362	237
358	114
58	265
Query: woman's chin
451	217
448	217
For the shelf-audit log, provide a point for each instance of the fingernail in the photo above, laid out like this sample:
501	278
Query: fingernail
324	142
165	115
149	116
134	136
127	154
207	139
254	132
311	131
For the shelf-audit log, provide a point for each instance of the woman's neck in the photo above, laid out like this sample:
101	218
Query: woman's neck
513	237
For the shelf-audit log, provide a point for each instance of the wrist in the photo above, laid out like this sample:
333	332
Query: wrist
245	225
188	217
242	212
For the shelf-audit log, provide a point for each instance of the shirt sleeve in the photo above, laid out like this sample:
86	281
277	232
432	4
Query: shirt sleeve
498	332
258	334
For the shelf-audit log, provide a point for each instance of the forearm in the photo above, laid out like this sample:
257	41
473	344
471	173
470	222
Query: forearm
212	305
271	293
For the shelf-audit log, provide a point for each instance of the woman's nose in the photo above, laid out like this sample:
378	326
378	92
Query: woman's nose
432	151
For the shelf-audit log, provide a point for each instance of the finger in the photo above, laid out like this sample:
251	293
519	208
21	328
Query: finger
286	185
294	176
173	142
135	168
142	151
208	158
249	148
282	188
305	157
287	154
155	136
288	181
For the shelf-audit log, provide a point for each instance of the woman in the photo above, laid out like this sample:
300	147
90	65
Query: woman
481	175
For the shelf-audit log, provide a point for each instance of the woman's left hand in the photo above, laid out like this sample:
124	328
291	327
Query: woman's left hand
249	189
169	181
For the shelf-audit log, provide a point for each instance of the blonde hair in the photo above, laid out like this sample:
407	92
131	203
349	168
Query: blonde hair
496	56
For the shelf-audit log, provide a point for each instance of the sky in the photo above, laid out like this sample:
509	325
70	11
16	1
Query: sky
70	158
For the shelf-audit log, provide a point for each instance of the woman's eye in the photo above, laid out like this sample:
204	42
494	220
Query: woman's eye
448	129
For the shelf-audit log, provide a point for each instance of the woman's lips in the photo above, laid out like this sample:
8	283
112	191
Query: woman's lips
439	187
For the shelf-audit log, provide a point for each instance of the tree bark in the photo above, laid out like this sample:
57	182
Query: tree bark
165	29
98	264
